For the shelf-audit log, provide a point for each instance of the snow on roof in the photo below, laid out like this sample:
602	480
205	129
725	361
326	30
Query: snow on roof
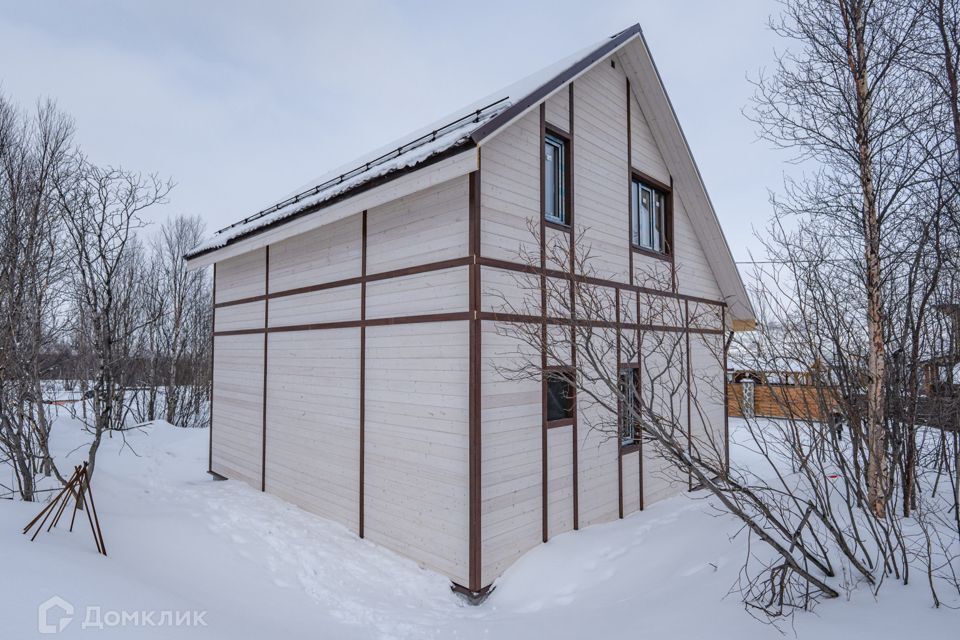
409	151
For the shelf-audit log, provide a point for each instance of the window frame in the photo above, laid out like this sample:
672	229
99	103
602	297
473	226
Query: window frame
634	442
666	231
568	376
563	197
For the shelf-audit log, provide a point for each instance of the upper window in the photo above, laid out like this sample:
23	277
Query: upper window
561	397
555	177
648	209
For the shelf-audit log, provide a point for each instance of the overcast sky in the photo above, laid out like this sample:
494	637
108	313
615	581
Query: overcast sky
240	102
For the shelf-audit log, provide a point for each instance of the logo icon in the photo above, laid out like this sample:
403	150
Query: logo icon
48	622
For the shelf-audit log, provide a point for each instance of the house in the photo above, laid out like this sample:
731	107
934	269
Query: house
356	342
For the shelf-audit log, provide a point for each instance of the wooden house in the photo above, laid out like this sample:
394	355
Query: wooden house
356	338
794	393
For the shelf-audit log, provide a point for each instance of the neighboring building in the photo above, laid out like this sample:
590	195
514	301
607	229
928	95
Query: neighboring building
939	402
782	393
373	396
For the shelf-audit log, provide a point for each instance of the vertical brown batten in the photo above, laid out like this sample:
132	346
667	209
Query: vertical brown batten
363	362
266	325
474	381
630	187
630	275
573	303
616	298
723	381
543	327
640	443
689	380
213	347
674	273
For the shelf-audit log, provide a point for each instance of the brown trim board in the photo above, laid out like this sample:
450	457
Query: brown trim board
616	298
383	275
213	348
266	326
726	399
363	366
453	316
544	497
689	380
346	324
573	302
474	425
629	180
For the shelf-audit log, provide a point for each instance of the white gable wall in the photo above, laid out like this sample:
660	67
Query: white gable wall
512	441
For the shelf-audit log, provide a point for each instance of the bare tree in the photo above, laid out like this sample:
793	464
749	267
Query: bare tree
101	209
177	344
847	100
34	152
632	354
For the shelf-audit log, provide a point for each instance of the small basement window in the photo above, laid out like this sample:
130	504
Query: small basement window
561	396
648	210
555	178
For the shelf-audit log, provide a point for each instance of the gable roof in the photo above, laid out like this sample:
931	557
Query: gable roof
471	125
460	130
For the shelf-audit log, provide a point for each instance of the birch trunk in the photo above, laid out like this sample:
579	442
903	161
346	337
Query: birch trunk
857	58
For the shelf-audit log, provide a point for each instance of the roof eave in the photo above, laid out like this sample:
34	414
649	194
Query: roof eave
340	197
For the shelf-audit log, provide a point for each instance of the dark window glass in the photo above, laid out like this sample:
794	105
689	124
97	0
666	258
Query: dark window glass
555	174
560	397
648	209
629	407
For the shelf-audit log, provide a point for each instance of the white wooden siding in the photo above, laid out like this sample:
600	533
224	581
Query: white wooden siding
652	273
248	315
241	277
428	226
313	435
694	275
237	407
558	109
646	156
511	504
504	291
559	480
598	446
322	255
420	294
707	385
340	304
510	190
416	486
601	193
664	390
631	482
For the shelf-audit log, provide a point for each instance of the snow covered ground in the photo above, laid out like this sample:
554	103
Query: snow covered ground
253	566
